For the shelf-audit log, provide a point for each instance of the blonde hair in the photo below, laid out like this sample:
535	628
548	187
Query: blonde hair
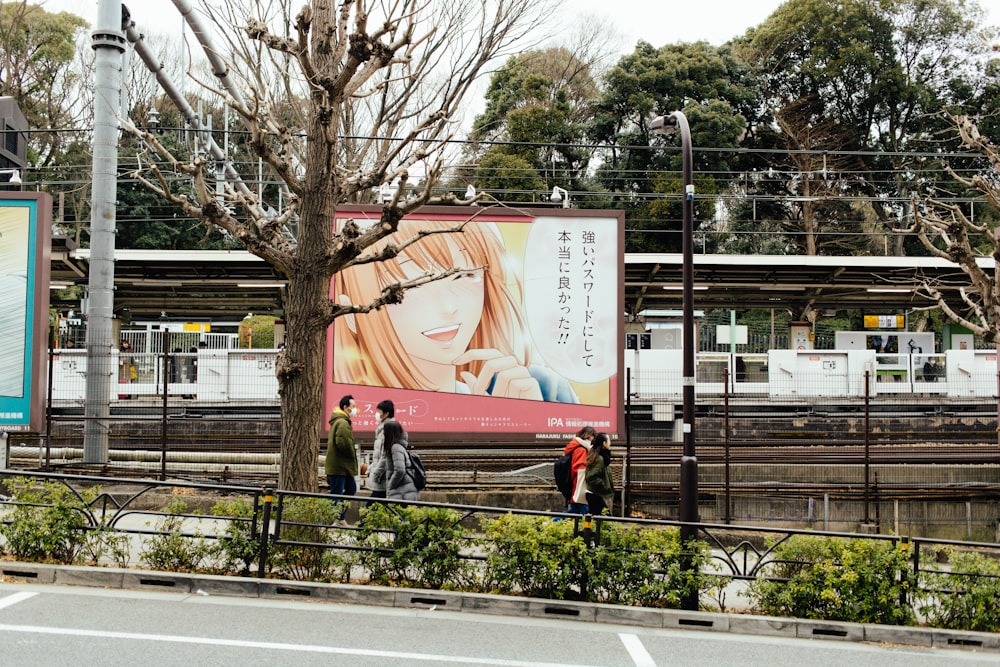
373	354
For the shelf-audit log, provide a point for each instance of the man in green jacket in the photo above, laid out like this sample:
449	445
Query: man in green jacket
341	457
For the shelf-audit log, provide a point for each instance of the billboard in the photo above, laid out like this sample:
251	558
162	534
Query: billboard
522	339
25	240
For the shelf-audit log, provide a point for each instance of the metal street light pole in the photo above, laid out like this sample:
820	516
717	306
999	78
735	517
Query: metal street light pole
688	510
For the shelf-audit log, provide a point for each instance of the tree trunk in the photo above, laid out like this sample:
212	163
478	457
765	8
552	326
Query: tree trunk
300	380
300	367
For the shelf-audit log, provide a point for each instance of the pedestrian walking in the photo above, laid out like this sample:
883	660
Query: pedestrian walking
384	412
341	456
600	485
578	448
399	478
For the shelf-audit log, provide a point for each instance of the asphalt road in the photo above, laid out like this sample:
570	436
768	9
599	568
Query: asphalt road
59	625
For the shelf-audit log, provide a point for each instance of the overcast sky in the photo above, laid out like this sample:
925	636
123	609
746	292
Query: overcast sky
658	22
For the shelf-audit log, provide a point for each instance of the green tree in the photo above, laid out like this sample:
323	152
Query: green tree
143	219
862	99
716	92
36	51
513	175
536	105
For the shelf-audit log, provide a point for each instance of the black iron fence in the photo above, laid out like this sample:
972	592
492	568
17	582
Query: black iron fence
245	531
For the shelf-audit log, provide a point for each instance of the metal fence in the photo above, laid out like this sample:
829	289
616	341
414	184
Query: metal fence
834	453
886	445
131	515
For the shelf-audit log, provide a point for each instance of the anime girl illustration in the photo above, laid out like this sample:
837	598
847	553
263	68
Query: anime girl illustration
462	334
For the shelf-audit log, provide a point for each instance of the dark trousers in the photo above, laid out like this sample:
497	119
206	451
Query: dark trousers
342	485
378	494
596	504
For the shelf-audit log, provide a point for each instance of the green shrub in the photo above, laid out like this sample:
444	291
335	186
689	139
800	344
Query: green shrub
855	580
643	566
169	549
305	551
413	545
49	521
238	547
106	544
534	556
965	597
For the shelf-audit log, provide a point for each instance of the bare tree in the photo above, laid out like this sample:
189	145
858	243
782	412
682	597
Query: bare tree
948	232
348	96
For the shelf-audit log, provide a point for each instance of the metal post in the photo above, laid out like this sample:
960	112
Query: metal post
587	533
265	531
48	405
109	43
728	458
732	344
627	463
867	441
688	509
164	415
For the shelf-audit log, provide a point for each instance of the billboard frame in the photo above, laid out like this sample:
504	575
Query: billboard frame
31	404
489	214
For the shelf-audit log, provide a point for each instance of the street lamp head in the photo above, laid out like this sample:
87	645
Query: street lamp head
15	176
386	193
664	124
559	195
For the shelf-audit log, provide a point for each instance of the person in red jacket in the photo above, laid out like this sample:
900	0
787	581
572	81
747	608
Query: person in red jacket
578	448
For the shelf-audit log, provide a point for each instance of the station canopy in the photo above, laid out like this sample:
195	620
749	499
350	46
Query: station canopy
740	282
220	285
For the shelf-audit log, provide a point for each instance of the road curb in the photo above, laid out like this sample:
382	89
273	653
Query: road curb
503	605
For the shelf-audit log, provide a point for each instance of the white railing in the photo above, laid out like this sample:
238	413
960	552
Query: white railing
219	376
206	375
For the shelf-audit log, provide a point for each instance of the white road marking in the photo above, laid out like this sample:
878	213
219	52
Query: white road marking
639	654
14	598
275	646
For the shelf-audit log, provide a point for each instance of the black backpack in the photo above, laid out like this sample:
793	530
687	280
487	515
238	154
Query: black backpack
417	471
562	470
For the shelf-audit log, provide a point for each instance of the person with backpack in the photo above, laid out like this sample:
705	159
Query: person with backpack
385	412
400	484
578	448
600	486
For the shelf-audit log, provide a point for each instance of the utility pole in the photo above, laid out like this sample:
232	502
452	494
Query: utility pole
108	42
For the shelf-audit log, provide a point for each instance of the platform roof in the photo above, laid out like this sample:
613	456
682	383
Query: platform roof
191	285
653	281
219	285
